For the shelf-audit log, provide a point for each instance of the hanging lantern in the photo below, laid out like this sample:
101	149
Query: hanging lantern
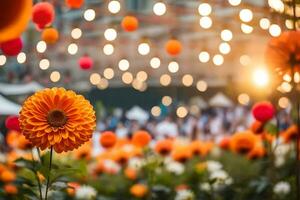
12	47
130	23
263	111
85	63
50	35
74	4
12	123
173	47
43	14
14	17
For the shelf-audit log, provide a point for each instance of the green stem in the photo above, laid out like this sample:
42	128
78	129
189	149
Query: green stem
49	171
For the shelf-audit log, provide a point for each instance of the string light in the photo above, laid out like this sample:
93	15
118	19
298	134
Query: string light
205	22
275	30
89	15
76	33
114	7
218	60
234	2
247	29
95	78
264	23
224	48
165	80
204	9
284	102
286	87
110	34
127	78
72	48
245	60
108	49
187	80
155	111
159	8
173	67
246	15
226	35
21	58
204	57
166	101
109	73
201	86
103	84
2	60
142	76
123	65
244	99
181	112
144	48
44	64
277	5
155	62
55	76
41	46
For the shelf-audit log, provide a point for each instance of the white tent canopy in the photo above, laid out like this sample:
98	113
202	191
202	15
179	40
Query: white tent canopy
138	114
8	108
198	101
220	100
19	89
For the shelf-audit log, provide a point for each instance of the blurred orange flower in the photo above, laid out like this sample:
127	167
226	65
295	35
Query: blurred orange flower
181	153
139	190
225	143
130	173
84	152
16	140
72	186
10	189
243	142
141	138
257	152
257	127
164	147
290	133
7	176
57	118
108	139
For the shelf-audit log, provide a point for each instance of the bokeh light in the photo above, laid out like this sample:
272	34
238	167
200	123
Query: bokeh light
55	76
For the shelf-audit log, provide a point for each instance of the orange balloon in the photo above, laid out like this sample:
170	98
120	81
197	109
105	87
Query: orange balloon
130	23
173	47
75	4
50	35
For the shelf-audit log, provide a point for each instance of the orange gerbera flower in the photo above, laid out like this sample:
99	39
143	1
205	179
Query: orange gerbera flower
243	142
225	143
16	140
130	173
7	176
10	189
257	127
257	152
84	152
201	148
57	118
290	133
141	138
108	139
181	153
139	190
164	147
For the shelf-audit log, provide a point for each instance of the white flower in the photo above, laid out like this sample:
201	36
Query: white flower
2	158
205	186
279	161
85	192
135	163
184	195
111	166
282	188
282	149
216	152
213	165
175	167
219	175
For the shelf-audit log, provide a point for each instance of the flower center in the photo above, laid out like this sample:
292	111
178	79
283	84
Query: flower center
57	118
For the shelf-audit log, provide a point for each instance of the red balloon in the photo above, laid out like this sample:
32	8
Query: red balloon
12	123
43	14
263	111
12	47
85	63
